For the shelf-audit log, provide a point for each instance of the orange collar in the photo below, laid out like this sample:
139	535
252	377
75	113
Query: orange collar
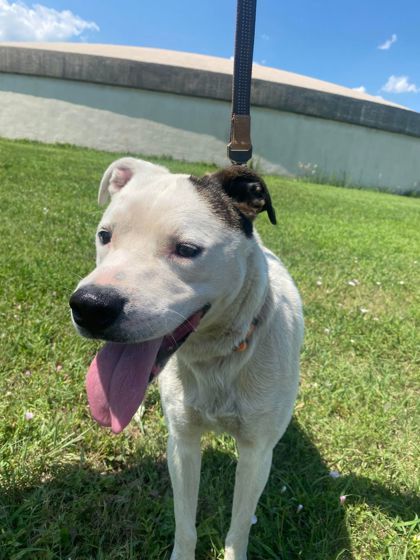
243	345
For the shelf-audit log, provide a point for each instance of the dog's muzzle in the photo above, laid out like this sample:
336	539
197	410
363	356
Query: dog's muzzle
96	308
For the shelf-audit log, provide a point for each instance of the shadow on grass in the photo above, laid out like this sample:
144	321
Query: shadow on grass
79	513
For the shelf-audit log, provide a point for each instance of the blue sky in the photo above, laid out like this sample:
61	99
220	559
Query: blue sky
337	41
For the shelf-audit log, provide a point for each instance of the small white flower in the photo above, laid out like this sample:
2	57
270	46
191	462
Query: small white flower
401	282
378	283
299	508
342	500
319	282
363	310
334	474
29	415
45	210
254	520
283	489
327	330
353	282
28	373
352	340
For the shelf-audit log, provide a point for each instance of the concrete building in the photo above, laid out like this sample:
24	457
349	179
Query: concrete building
156	102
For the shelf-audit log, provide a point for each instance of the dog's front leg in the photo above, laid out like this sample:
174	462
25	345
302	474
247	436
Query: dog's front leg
184	460
252	472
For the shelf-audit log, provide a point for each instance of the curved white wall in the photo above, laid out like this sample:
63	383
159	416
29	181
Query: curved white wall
196	128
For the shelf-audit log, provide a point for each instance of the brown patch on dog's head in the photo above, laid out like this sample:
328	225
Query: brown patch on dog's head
247	190
242	188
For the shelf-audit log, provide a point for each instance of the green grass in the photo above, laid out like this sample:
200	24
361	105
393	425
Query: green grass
70	490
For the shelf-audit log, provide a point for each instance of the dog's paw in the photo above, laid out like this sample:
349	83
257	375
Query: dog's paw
231	555
235	553
181	555
184	550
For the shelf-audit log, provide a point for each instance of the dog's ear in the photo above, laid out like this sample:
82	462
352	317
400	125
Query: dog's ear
121	171
247	190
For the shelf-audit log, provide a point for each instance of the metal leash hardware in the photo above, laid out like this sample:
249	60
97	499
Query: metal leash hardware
239	148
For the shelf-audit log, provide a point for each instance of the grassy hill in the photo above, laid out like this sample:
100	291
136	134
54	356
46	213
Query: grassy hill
69	489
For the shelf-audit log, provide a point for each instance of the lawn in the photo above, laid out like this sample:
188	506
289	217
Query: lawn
345	475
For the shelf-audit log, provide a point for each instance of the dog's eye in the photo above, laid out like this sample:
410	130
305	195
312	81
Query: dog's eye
187	250
104	236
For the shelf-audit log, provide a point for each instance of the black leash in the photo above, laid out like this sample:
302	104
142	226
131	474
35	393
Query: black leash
240	147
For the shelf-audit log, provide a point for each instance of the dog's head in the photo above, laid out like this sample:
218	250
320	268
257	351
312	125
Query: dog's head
169	247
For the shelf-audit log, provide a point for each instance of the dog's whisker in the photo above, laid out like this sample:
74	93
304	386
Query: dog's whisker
174	339
185	319
170	334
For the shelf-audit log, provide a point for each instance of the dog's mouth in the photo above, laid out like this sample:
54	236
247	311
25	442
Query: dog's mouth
119	374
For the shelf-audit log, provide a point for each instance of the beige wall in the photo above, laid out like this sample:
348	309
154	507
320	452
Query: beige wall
196	129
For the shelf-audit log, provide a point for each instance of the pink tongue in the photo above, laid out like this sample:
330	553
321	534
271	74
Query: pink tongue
117	380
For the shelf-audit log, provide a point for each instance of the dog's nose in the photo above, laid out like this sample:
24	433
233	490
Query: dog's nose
96	308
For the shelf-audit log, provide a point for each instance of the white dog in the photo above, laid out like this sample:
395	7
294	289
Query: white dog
178	263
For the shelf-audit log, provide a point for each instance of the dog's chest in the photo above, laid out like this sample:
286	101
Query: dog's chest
220	413
217	402
216	396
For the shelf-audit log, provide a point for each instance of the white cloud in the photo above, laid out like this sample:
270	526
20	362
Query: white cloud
20	22
362	89
399	84
388	43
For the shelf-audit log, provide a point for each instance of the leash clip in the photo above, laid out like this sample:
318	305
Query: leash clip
239	149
